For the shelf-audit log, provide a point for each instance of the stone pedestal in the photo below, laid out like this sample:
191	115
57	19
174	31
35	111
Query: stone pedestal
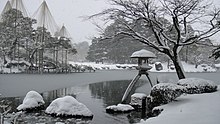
138	100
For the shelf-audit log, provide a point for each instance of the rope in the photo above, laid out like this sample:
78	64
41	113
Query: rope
45	18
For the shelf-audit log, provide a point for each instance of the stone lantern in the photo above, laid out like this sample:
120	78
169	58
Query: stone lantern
143	57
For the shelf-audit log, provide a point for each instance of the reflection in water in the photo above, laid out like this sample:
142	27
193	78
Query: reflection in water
112	91
95	96
42	118
51	95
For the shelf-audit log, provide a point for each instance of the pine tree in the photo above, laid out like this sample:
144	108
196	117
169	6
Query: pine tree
16	33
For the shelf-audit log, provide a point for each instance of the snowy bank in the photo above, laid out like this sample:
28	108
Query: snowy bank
68	106
187	67
105	66
32	100
197	85
119	108
164	93
190	109
108	66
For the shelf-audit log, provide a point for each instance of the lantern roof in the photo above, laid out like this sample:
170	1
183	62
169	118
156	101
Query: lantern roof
143	54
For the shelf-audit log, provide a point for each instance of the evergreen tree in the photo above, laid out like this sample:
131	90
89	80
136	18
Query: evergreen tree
15	33
119	48
97	51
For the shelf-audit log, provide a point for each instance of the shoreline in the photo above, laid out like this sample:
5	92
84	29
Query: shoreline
12	85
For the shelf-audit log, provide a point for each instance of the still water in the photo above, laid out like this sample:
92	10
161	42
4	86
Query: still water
96	97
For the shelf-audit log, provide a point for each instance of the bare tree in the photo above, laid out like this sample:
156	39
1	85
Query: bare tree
169	22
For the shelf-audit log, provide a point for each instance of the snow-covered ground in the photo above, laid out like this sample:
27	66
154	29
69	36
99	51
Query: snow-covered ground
187	67
190	109
106	66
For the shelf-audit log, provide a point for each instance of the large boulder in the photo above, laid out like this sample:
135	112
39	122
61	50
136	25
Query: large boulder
32	101
163	93
197	85
68	106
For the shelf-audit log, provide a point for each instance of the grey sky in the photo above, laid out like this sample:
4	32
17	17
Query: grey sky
68	12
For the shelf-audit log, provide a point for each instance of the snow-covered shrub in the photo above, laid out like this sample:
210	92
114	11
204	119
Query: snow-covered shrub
68	106
164	93
33	100
119	108
197	85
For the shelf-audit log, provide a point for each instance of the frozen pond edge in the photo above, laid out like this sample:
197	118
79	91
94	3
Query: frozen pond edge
12	85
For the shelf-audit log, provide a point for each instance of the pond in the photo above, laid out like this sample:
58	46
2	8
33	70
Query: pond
96	97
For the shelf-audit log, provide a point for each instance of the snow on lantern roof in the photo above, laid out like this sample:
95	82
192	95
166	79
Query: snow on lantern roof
143	54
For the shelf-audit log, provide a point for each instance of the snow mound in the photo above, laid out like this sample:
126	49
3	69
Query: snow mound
197	85
68	106
164	93
32	100
119	108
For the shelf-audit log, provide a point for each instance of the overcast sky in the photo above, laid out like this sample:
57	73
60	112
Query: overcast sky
68	12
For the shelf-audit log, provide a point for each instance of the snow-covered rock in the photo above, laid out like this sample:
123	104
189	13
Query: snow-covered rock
68	106
119	108
164	93
32	100
197	85
137	99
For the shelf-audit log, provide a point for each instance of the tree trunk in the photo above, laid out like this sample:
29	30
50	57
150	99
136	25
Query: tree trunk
2	119
179	69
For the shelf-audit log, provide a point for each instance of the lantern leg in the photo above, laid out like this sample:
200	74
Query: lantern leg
147	75
128	90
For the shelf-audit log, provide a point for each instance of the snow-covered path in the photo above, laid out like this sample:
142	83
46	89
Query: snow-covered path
190	109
